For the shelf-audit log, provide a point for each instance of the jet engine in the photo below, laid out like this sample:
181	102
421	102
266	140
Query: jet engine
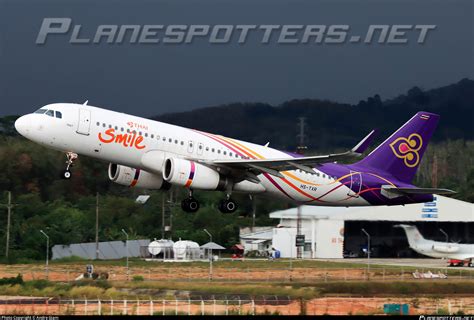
191	174
445	248
132	177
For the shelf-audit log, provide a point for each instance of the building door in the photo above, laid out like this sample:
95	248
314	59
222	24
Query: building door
356	184
84	124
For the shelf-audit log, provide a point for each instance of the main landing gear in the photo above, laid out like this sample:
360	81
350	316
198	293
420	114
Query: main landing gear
227	205
190	204
71	157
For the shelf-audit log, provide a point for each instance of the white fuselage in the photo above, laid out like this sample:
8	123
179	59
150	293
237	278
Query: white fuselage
124	139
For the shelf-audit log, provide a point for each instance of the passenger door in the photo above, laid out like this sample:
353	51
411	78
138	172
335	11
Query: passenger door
84	123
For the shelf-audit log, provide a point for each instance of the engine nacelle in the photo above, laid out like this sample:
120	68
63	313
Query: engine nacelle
191	174
446	248
132	177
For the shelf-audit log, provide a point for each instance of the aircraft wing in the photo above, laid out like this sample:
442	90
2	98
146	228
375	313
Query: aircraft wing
274	166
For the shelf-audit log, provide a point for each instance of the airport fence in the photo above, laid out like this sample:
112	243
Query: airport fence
319	306
61	273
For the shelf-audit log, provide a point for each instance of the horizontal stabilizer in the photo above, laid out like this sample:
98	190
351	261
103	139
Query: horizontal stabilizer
408	191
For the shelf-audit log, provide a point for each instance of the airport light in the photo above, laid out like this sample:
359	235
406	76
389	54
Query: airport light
126	246
210	260
368	251
445	234
47	254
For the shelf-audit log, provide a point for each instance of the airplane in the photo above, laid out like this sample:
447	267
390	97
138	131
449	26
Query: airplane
456	252
154	155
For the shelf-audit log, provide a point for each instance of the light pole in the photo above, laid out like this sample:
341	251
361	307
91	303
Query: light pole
97	226
368	251
210	260
126	246
445	234
47	254
9	207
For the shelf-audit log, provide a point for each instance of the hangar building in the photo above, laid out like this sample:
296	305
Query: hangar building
335	232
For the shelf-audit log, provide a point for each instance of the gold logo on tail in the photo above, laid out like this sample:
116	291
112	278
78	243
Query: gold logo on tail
407	149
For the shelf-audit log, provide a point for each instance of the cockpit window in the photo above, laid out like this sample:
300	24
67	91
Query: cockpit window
59	115
50	113
41	111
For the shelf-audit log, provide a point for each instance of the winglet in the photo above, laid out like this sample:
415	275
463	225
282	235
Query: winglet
364	143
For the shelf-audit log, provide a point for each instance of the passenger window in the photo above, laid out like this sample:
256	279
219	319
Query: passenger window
146	135
59	115
50	113
182	143
152	136
121	129
98	124
103	125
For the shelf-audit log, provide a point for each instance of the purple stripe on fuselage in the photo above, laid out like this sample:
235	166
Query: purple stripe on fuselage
276	185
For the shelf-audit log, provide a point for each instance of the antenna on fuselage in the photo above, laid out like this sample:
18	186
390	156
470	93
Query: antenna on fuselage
85	103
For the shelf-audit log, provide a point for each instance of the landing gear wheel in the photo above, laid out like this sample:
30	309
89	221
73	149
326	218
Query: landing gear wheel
190	205
66	175
227	206
71	157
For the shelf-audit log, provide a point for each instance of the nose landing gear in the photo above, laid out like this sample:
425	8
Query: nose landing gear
71	157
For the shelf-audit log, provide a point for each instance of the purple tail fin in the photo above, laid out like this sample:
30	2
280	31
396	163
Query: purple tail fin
400	155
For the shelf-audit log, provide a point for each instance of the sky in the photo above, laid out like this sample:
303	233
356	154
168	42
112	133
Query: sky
152	79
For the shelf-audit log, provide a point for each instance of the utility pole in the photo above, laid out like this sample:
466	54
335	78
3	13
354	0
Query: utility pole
126	246
97	226
254	209
299	249
434	172
212	257
47	254
9	206
301	147
368	252
163	202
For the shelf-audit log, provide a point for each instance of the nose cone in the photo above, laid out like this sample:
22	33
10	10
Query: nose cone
22	125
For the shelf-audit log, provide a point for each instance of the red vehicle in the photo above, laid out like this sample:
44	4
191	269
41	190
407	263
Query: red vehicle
237	251
460	263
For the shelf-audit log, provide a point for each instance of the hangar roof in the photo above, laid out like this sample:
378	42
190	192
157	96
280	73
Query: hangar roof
442	209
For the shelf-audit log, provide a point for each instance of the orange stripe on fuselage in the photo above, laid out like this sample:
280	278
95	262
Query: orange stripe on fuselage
242	147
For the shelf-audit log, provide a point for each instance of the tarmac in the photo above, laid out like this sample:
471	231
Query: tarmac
408	262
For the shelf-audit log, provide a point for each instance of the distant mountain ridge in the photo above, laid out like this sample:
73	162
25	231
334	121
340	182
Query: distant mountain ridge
331	124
